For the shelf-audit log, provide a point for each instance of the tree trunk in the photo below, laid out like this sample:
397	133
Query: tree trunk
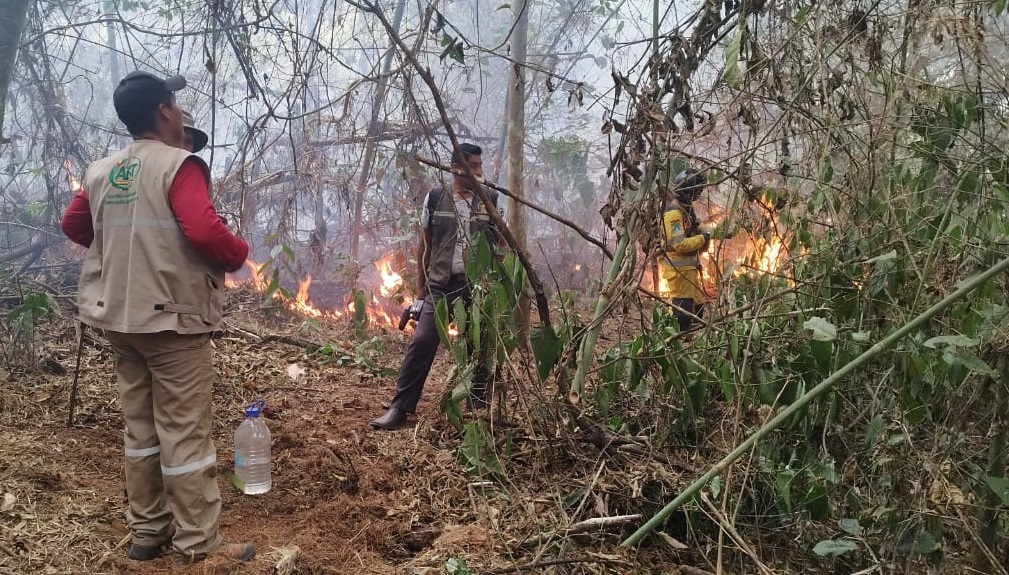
516	153
12	23
369	147
113	50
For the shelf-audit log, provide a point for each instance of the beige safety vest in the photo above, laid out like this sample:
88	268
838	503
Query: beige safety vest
141	275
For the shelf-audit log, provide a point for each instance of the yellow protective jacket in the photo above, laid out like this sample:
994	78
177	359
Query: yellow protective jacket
679	264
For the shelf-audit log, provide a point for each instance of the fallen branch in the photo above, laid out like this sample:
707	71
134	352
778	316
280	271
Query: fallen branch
966	287
596	524
601	523
23	251
248	334
589	238
539	564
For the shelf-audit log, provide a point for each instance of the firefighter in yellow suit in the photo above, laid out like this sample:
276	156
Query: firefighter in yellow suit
679	262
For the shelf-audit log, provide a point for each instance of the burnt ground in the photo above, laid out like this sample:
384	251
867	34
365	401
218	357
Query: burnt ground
350	499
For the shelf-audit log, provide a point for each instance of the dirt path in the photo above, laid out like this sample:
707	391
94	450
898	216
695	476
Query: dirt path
352	500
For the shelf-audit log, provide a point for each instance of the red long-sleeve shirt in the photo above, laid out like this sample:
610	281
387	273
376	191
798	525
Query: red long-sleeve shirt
190	202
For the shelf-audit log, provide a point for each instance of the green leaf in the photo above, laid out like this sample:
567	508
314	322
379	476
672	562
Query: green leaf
999	6
732	57
873	431
235	482
822	329
834	547
456	566
800	16
601	61
850	526
715	486
817	502
924	543
360	314
890	255
441	320
503	7
976	364
1000	485
477	450
571	500
822	352
958	340
453	50
546	349
783	486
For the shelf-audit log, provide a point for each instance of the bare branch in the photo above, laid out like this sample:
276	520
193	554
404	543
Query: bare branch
584	234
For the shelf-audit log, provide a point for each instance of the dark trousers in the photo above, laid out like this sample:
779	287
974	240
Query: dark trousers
687	304
424	345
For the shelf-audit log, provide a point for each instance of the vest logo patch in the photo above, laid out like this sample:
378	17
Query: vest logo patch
121	175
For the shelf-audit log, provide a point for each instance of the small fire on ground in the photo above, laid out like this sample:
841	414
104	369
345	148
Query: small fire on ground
381	309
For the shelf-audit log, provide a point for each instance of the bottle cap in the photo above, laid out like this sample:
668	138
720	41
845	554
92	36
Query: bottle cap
254	409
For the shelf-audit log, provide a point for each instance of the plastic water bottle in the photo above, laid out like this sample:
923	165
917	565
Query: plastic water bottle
252	451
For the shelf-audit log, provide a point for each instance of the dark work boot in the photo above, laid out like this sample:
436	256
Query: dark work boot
150	552
147	553
393	419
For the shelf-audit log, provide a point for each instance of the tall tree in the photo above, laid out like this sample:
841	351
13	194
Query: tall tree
13	15
373	127
516	153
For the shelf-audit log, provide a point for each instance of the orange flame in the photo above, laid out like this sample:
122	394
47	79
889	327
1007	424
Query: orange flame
75	184
300	303
391	281
744	254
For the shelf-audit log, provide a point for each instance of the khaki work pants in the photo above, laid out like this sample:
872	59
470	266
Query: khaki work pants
165	383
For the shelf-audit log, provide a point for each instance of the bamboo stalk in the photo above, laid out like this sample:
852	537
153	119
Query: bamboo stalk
965	288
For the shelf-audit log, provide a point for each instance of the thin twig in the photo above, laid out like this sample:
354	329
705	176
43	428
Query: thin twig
727	526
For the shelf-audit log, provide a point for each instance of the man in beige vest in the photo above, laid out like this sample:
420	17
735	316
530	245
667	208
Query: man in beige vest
153	280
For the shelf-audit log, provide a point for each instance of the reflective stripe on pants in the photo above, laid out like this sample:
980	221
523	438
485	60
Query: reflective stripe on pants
165	383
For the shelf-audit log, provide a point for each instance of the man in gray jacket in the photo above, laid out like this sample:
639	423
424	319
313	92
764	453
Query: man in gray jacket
449	221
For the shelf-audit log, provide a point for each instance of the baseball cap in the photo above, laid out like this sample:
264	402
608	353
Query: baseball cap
200	137
140	92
